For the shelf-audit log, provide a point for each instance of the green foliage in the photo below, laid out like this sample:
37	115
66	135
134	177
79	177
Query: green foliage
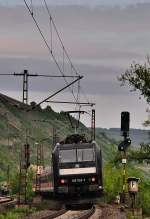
138	78
113	184
16	213
29	184
139	156
145	195
14	183
112	181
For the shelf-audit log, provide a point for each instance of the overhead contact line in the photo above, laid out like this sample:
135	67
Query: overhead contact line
47	45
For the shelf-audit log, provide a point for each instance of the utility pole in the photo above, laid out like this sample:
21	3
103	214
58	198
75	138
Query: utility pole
24	164
40	165
55	137
25	74
8	178
25	87
93	125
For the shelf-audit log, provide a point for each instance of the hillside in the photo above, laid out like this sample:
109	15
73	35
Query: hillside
17	122
137	135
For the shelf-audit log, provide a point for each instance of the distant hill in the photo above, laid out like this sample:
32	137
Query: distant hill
17	121
137	135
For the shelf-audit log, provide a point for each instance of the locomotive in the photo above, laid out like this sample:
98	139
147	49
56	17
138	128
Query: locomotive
76	170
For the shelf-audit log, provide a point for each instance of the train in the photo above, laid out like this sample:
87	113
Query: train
75	173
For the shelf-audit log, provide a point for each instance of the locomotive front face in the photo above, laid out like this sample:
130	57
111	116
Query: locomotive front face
77	169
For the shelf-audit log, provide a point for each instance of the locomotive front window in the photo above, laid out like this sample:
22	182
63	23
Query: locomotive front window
67	156
87	154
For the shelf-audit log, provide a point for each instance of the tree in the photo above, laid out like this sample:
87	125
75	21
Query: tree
138	78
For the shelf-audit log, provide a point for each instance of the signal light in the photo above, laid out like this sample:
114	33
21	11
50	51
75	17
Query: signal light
124	144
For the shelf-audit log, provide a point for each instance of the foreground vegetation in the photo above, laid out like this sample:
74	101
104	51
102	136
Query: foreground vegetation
113	185
16	213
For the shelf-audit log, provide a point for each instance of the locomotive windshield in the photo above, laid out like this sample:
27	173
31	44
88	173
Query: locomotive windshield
76	155
67	156
87	154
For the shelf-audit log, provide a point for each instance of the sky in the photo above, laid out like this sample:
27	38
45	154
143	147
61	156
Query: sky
77	2
102	37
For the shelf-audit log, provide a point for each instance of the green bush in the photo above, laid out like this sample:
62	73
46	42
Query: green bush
145	196
112	181
16	213
113	185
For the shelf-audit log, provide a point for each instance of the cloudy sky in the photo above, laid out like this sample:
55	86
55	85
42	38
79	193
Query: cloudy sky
102	37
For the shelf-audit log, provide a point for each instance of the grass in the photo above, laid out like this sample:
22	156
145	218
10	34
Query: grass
17	213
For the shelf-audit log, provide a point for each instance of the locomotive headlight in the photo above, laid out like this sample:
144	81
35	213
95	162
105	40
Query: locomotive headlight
63	181
93	179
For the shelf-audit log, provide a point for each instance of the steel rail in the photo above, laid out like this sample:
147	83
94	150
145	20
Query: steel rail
87	214
56	214
78	215
5	200
7	205
50	215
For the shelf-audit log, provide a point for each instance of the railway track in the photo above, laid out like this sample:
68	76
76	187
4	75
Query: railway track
7	203
4	199
46	214
77	214
62	214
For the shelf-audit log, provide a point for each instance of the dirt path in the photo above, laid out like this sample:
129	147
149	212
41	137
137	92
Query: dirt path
108	212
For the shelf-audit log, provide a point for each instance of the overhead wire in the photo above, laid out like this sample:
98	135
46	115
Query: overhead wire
62	45
50	48
46	43
49	13
32	7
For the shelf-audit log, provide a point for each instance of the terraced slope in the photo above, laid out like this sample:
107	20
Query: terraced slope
16	123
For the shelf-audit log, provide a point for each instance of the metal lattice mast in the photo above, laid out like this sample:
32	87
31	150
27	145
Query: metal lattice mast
24	164
40	166
54	136
25	87
93	125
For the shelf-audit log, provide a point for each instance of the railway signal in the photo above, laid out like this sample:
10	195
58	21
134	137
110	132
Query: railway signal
125	125
125	122
124	144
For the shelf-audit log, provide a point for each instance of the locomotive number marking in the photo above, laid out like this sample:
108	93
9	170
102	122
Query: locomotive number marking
78	180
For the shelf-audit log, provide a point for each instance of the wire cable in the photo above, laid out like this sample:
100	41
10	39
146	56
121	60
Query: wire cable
49	13
53	28
46	43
